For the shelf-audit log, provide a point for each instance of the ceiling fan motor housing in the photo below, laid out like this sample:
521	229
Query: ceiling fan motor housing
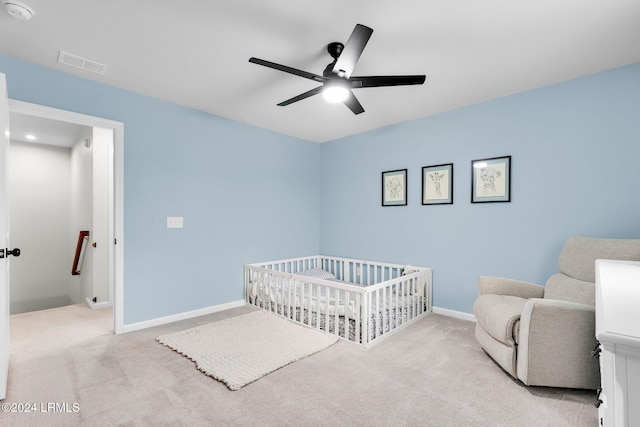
335	49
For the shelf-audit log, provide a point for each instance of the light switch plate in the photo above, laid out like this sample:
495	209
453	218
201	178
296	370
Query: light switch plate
175	222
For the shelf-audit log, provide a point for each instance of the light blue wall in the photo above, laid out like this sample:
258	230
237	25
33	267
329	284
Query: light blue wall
575	151
250	195
246	194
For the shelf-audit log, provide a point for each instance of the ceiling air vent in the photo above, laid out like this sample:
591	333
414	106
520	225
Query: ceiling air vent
85	64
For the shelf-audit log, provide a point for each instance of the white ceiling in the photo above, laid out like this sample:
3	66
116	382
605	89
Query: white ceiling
46	131
195	52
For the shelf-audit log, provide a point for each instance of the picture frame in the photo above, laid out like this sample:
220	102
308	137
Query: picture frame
491	180
394	188
437	184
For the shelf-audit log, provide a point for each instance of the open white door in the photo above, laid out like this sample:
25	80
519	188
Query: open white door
4	239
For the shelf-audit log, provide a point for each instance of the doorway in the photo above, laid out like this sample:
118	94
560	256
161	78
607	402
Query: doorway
96	186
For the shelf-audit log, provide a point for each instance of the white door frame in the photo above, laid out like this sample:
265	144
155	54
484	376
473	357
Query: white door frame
118	189
4	241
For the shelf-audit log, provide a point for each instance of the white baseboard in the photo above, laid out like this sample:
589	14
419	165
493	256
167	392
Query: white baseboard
97	305
181	316
453	313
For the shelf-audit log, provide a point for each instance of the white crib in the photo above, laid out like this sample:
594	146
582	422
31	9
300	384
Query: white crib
359	301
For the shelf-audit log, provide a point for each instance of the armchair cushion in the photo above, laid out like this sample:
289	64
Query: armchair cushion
579	255
565	288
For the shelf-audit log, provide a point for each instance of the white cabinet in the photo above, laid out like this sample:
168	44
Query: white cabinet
618	330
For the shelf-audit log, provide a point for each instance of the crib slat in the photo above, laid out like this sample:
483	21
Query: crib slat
384	318
317	308
366	318
291	294
261	288
347	314
309	304
410	299
304	302
326	310
421	303
415	296
267	291
405	306
279	297
286	293
357	314
400	303
389	308
423	292
396	304
297	291
413	299
273	293
336	305
373	316
266	288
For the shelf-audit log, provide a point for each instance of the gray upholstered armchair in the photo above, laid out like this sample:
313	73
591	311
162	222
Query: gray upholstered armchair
544	335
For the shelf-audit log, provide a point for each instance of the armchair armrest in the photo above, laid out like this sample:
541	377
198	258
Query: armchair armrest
556	339
503	286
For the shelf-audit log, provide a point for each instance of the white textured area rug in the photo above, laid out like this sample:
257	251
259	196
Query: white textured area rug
243	349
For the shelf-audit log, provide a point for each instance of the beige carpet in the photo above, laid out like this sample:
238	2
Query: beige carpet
243	349
432	373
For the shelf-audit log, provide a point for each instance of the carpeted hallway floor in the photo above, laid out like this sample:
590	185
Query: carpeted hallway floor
433	373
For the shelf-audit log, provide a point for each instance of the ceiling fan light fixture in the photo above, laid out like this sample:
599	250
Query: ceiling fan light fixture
337	91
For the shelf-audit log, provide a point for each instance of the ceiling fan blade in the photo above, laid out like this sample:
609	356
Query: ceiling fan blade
352	50
301	96
353	104
376	81
286	69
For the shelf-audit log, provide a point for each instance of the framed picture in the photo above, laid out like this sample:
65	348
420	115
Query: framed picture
437	184
394	188
491	180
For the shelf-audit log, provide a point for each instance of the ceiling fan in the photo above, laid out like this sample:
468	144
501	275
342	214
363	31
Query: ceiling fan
336	79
